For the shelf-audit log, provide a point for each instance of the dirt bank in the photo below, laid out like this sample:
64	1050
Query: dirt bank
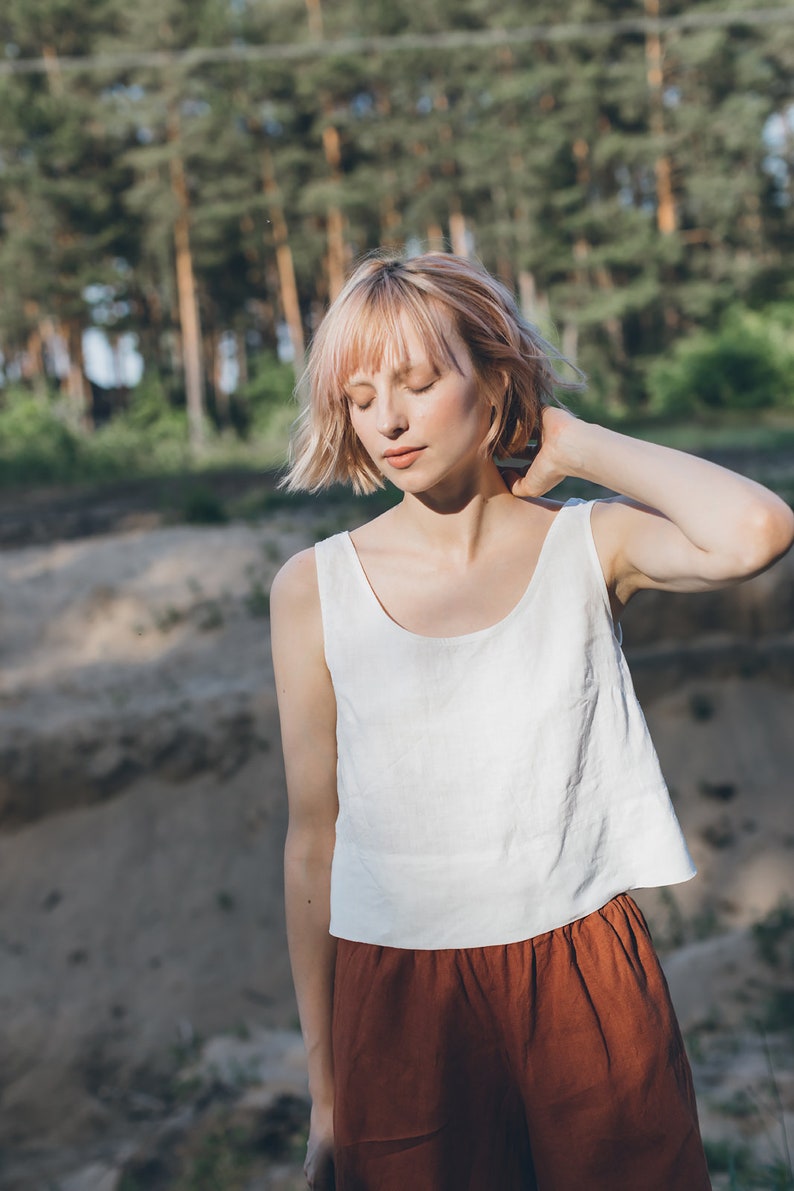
142	815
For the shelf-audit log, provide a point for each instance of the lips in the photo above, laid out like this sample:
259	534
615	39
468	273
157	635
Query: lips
402	456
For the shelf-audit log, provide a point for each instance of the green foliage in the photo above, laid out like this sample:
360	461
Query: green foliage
269	389
202	506
746	1174
36	445
550	150
221	1162
747	364
728	1157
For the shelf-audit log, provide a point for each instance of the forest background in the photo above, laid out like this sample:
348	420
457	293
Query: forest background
182	189
629	174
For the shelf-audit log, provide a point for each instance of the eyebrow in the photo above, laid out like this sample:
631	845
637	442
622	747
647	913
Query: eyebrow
403	370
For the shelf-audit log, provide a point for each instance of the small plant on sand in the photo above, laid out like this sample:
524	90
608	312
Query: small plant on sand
167	618
701	706
762	1099
210	616
202	506
674	931
220	1163
773	936
727	1157
257	599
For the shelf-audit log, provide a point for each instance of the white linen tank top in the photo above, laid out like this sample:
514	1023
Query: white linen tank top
495	785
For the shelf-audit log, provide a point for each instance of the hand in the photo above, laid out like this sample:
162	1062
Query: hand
546	469
319	1164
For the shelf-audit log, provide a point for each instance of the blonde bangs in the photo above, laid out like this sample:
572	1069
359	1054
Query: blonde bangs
370	334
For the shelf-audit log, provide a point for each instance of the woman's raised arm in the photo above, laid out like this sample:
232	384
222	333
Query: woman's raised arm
307	708
681	523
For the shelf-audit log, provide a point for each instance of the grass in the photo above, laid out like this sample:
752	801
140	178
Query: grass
735	1160
221	1162
764	430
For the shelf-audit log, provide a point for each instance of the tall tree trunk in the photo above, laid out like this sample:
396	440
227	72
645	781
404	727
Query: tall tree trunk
315	14
435	237
504	263
534	305
570	341
33	368
288	288
335	220
186	291
52	66
666	218
527	295
390	218
335	223
613	325
457	230
76	385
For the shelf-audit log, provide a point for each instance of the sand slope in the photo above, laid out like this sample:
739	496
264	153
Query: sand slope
142	815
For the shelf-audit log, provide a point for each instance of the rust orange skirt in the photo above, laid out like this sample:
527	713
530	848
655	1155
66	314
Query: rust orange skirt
555	1064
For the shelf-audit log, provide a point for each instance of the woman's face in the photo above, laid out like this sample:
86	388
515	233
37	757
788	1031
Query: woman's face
421	424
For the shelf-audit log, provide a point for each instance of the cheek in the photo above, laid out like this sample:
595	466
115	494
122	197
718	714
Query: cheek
364	434
461	409
357	426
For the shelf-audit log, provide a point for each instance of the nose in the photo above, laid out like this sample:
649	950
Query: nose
391	420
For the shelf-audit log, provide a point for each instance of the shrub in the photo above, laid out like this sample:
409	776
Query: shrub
37	445
35	442
747	364
268	391
202	506
151	435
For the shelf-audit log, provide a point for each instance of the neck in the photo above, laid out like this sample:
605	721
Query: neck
454	521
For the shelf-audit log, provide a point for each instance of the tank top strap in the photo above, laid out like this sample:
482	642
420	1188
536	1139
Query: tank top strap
345	601
570	563
581	530
566	549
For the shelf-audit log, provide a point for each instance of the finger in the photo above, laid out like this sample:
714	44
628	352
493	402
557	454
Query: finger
512	476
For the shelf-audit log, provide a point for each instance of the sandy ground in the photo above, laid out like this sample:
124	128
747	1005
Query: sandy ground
142	815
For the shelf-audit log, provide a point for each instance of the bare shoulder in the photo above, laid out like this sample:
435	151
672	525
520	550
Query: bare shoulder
537	510
295	614
295	585
306	701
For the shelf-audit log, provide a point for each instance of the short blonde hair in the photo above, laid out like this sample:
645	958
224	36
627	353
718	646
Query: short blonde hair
365	323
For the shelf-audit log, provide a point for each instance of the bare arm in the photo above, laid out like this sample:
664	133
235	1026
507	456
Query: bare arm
307	708
680	524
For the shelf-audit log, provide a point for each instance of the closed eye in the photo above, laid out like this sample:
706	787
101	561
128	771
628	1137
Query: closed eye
360	405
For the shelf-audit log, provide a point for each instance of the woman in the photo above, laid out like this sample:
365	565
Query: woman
472	789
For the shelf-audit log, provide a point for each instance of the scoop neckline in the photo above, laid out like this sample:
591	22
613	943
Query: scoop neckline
483	632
